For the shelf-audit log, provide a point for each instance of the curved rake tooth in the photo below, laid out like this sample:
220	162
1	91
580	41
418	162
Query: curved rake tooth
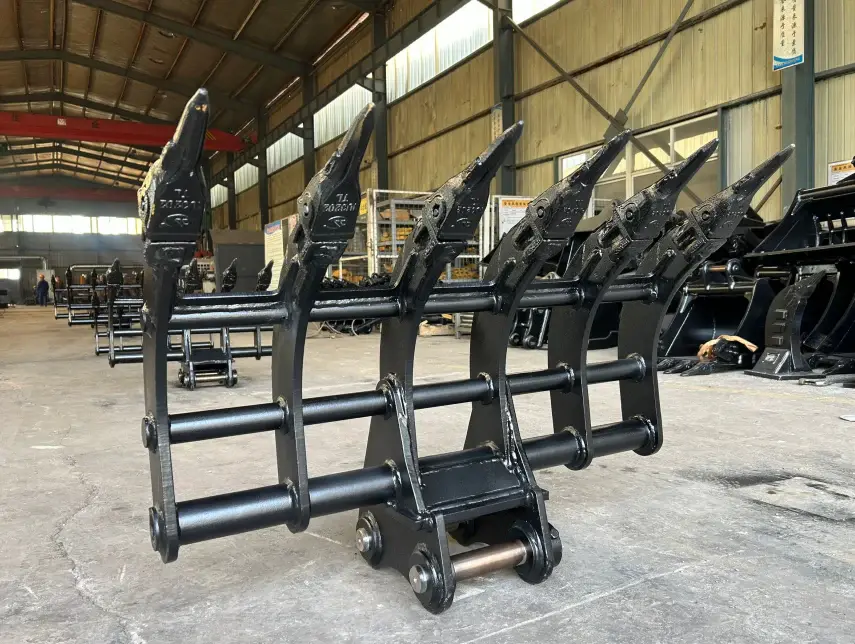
174	196
184	152
719	215
230	276
646	213
265	275
113	275
676	181
748	185
454	210
330	203
558	210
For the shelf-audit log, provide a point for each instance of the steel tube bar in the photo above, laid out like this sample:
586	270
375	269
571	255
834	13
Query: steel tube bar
482	561
237	512
272	313
220	423
737	289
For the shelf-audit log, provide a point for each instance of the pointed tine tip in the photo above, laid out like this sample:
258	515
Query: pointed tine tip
686	170
754	180
513	133
604	157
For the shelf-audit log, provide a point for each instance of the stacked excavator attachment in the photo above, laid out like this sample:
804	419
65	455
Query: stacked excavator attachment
409	505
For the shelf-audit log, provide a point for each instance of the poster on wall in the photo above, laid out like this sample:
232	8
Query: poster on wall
274	249
511	210
788	48
839	170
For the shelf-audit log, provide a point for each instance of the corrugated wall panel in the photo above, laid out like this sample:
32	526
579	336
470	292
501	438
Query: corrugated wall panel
287	183
533	180
345	56
753	135
584	31
402	11
247	210
835	26
428	166
835	136
715	62
220	217
432	108
286	107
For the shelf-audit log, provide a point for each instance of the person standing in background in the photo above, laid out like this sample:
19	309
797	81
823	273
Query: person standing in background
42	290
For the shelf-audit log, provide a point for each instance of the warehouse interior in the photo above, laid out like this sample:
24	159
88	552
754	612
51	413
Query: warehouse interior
567	286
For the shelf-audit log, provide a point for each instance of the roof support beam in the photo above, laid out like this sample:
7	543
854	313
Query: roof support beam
59	97
64	149
243	49
438	11
40	187
70	128
65	167
178	87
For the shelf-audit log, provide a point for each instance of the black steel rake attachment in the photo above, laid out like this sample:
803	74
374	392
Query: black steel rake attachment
486	493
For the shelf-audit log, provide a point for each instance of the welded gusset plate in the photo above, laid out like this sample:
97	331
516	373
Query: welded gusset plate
174	197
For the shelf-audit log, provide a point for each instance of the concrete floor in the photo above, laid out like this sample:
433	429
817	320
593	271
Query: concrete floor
742	529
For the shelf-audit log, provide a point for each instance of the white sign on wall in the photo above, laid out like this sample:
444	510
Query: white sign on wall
788	47
511	210
274	249
839	170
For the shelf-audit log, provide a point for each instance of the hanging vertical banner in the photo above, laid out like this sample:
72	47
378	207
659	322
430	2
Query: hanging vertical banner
789	36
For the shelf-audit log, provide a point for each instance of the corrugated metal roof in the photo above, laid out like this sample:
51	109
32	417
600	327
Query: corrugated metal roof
97	30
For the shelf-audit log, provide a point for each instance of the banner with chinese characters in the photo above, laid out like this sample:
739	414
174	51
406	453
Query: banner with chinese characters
789	36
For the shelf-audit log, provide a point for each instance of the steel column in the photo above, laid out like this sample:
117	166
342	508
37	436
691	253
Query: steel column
263	187
503	84
230	189
309	85
797	116
381	134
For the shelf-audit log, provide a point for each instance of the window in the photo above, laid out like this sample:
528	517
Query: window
10	274
670	146
118	225
42	224
463	32
8	224
284	152
219	195
75	224
246	177
525	9
71	224
333	119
